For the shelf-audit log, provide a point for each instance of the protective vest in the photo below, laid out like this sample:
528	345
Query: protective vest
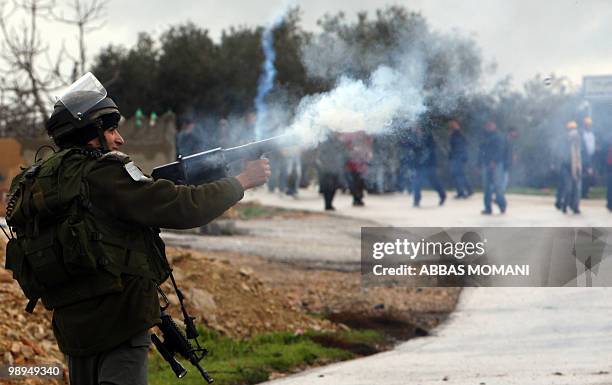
65	250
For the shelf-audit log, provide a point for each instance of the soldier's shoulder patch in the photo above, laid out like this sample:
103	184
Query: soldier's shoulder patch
116	156
135	173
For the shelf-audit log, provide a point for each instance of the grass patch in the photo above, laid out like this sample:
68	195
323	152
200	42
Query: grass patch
371	337
234	361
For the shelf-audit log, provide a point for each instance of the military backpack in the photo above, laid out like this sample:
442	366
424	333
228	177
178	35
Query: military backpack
65	250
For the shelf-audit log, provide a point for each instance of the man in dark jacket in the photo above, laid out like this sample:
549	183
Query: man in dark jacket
405	155
425	165
457	158
104	215
330	161
491	160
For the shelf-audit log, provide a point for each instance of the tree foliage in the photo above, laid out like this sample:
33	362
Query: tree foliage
188	72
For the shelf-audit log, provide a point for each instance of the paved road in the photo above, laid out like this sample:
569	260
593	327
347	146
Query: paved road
397	210
497	335
313	241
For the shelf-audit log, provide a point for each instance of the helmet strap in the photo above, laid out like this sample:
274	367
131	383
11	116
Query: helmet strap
101	137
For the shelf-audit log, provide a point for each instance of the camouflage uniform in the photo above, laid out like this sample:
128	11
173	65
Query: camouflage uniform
127	208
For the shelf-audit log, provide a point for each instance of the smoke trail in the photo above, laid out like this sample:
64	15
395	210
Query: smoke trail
266	80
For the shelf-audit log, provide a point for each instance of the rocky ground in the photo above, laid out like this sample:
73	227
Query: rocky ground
24	338
244	295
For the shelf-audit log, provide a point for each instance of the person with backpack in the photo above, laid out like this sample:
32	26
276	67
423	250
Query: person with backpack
86	239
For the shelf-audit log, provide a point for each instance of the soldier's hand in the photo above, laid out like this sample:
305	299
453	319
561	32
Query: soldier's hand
255	173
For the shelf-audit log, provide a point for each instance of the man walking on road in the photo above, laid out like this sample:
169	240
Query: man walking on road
588	156
491	160
571	169
457	158
425	165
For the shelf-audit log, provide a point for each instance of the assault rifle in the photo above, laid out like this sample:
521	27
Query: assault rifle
177	342
211	165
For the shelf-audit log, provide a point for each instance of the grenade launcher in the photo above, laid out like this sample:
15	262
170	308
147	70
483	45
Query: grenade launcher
211	165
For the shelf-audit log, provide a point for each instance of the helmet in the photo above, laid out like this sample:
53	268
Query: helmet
82	113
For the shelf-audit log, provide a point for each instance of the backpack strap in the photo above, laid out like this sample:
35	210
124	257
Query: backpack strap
31	305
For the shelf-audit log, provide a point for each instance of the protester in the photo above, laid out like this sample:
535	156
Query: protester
405	149
457	158
382	170
571	169
359	146
330	161
491	160
425	165
278	179
588	154
377	170
293	164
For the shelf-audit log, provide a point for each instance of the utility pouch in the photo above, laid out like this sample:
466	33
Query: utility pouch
76	238
22	272
42	255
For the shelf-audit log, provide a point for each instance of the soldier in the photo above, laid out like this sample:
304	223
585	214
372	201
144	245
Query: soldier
87	236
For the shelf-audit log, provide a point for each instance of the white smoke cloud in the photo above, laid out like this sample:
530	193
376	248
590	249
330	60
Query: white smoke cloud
421	70
329	58
355	105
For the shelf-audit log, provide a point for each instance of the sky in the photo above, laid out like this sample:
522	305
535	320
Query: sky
523	37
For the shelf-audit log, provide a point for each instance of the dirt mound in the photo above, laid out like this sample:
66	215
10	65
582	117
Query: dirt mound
232	299
253	294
